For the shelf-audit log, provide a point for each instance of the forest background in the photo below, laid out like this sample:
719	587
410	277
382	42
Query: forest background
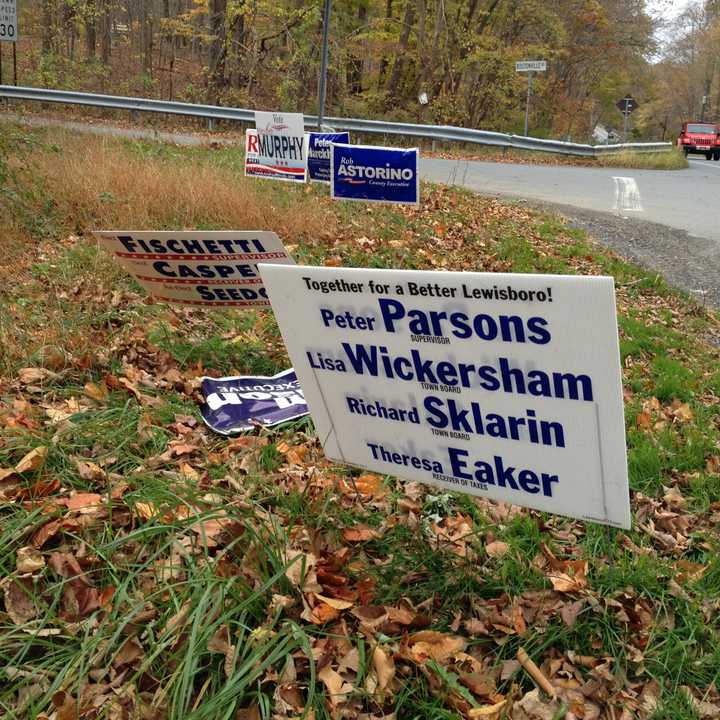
265	54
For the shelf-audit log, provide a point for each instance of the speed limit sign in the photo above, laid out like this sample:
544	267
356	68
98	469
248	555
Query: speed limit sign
8	21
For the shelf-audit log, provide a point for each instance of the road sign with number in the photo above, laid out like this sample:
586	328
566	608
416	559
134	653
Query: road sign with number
8	21
531	66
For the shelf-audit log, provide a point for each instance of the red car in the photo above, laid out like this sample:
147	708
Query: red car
700	139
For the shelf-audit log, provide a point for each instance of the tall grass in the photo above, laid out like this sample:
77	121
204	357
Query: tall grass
95	183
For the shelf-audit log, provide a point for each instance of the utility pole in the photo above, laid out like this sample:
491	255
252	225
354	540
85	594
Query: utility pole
626	116
527	102
322	85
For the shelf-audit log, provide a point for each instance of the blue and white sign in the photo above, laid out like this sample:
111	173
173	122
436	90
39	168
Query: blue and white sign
500	385
318	153
237	404
374	174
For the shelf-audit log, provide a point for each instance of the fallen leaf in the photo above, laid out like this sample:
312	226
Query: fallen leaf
47	531
491	712
433	645
574	580
334	603
34	460
384	667
360	533
497	549
19	599
570	611
533	707
336	687
90	471
83	501
96	392
129	653
29	560
31	375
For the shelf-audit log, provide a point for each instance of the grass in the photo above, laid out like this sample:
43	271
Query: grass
179	593
670	160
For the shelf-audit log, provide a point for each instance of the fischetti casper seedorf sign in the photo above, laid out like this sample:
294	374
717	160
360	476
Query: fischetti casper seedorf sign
199	267
505	386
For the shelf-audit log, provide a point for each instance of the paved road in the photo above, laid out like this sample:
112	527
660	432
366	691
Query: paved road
682	199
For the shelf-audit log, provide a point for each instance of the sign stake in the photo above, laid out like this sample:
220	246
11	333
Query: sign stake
322	85
527	102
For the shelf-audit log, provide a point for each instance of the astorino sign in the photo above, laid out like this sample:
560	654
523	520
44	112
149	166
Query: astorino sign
198	267
501	385
374	174
238	404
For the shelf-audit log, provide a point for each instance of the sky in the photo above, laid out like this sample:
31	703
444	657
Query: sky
666	10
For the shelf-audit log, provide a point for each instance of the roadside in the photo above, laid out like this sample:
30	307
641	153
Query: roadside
688	263
185	131
201	577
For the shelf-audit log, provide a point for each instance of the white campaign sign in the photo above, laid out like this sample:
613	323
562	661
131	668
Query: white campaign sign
501	385
278	148
200	267
8	21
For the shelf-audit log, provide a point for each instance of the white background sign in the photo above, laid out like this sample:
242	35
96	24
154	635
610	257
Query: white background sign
501	385
280	146
531	66
199	267
8	21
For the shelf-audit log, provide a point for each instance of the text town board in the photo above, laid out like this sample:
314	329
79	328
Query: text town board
501	385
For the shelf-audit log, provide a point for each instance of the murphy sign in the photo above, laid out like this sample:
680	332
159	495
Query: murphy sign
199	267
277	148
505	386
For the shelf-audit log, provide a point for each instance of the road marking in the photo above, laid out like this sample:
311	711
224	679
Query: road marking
627	195
705	163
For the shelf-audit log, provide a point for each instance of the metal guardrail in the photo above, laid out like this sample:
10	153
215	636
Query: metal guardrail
448	133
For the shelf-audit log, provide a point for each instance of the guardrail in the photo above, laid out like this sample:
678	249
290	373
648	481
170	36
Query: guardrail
447	133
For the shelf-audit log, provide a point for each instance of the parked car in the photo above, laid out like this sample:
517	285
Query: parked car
700	139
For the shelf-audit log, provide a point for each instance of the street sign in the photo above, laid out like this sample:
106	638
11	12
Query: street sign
531	66
8	21
627	104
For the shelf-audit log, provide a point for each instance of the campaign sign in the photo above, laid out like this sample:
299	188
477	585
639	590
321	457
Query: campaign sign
237	404
500	385
277	148
374	174
199	267
318	153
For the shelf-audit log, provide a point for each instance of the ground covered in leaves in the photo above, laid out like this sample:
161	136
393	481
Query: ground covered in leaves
150	569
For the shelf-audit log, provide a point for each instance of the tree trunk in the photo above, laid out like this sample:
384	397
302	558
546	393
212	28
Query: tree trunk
217	50
399	63
106	31
90	30
47	23
383	60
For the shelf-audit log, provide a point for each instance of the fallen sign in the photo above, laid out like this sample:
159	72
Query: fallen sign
501	385
238	404
217	268
277	148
